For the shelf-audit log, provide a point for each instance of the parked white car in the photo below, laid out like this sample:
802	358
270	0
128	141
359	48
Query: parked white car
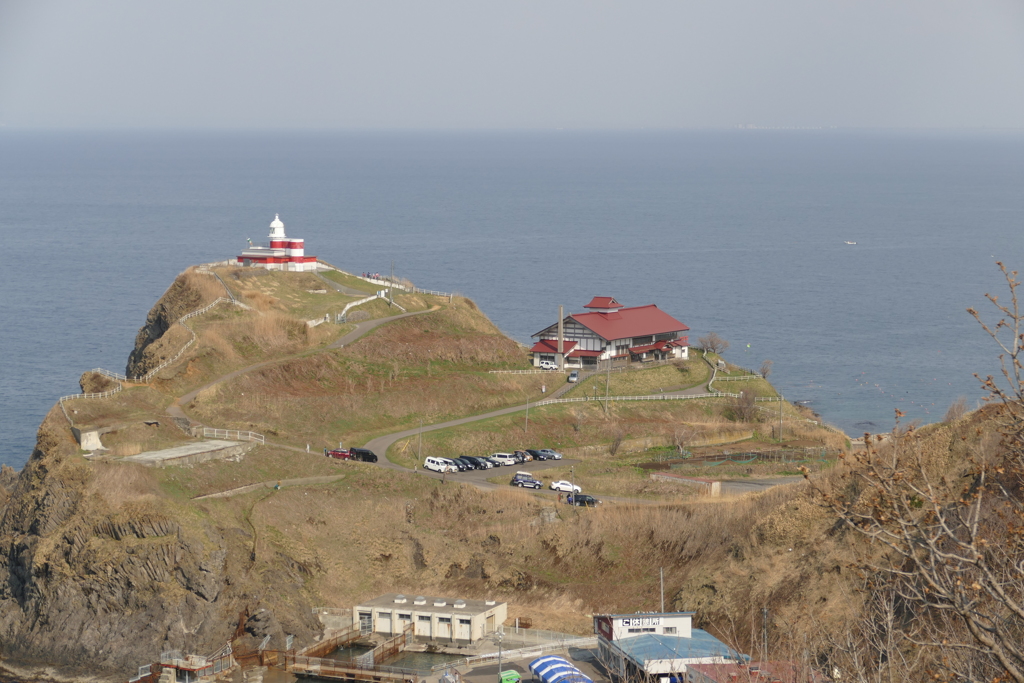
548	365
565	486
503	458
439	465
554	454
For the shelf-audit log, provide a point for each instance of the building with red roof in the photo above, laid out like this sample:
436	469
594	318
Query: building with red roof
609	330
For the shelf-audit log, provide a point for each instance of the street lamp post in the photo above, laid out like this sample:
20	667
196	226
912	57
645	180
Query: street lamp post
500	634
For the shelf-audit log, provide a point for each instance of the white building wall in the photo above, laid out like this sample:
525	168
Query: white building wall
626	627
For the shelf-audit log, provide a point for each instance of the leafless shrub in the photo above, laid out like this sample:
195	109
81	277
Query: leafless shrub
578	417
682	436
957	409
616	443
766	368
744	407
712	343
953	543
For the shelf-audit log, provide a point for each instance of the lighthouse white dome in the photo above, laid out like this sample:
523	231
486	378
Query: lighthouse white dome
277	228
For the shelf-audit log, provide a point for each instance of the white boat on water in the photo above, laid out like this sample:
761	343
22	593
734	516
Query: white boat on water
848	242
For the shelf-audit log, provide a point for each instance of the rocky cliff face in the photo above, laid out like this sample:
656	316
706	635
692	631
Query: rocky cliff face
181	298
102	576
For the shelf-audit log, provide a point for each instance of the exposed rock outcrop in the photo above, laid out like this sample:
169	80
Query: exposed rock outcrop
181	298
103	573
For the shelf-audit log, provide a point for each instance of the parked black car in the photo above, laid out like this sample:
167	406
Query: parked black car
582	500
462	464
525	480
478	462
363	455
539	455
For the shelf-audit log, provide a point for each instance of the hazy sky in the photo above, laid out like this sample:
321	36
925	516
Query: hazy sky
512	64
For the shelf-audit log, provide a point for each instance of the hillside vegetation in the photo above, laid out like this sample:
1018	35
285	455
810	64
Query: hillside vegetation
108	563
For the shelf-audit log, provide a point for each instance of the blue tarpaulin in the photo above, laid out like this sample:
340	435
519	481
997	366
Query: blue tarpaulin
552	672
542	661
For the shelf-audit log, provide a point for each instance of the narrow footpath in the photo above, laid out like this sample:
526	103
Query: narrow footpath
362	329
381	444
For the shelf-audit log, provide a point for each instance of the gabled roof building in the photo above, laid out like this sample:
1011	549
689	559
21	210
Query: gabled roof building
609	330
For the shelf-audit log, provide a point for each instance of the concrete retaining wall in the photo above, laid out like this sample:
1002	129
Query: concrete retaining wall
707	487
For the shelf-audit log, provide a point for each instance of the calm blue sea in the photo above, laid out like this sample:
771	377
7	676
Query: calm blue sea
739	232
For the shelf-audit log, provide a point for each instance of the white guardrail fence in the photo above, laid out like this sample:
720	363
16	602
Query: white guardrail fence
233	434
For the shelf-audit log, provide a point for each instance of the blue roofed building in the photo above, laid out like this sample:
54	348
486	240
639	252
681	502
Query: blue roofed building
657	646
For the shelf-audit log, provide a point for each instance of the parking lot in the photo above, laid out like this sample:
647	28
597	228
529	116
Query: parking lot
480	477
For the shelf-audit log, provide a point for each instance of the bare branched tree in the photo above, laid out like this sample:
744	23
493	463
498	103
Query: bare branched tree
682	436
873	646
578	416
766	368
712	343
744	407
616	443
951	542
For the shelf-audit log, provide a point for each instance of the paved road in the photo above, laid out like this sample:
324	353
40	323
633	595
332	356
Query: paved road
478	478
347	291
736	487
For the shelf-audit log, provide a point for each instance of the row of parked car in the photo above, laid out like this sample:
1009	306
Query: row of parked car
526	480
360	454
472	462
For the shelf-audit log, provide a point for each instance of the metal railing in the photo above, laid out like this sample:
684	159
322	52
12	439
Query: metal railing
333	611
233	434
535	371
181	321
534	643
334	668
432	292
652	397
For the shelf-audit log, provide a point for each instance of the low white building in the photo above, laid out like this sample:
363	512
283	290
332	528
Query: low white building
656	646
438	619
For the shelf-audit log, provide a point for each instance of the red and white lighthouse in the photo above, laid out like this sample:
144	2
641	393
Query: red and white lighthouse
282	252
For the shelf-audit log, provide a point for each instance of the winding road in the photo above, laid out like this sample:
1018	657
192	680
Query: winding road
381	444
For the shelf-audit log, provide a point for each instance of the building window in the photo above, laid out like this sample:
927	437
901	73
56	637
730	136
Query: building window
465	622
669	630
642	630
642	341
444	620
405	617
424	617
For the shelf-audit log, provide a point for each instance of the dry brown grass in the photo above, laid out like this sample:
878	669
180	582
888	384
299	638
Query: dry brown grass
125	448
261	301
207	287
119	483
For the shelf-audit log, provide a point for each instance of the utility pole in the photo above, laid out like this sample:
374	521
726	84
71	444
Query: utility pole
527	428
420	455
780	417
662	590
607	385
391	289
500	634
561	342
764	633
